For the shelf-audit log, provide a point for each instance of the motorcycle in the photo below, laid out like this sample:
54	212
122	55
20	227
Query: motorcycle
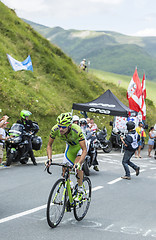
17	144
116	140
102	142
91	155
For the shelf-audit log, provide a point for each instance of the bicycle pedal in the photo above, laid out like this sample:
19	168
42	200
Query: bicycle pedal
68	209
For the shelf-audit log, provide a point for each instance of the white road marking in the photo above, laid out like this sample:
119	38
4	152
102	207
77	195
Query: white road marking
96	188
119	179
22	214
33	210
147	233
108	227
110	161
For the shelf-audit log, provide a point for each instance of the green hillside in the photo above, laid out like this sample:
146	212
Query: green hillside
107	51
53	86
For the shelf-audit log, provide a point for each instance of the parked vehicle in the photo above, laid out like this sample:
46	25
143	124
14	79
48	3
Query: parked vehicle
102	142
115	139
16	145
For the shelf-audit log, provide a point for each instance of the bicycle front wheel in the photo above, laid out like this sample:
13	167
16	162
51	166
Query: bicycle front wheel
81	207
56	203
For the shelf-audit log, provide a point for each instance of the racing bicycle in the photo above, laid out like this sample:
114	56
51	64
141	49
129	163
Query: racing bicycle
64	197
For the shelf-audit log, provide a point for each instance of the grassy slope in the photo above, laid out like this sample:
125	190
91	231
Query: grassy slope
53	86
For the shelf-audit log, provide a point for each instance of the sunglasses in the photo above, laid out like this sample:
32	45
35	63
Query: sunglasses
63	127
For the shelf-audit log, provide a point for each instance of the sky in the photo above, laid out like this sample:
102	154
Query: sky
130	17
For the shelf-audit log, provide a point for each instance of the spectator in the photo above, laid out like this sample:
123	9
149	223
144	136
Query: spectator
3	138
93	127
3	120
83	65
88	121
151	140
142	134
130	145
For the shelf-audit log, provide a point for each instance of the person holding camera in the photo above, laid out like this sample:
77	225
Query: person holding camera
130	145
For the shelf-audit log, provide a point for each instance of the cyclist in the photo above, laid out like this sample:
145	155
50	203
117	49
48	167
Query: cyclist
28	125
76	149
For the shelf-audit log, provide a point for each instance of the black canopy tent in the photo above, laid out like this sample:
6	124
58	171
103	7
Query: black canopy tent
107	103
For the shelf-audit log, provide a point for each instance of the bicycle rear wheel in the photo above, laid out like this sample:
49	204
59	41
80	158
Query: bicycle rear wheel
56	203
81	207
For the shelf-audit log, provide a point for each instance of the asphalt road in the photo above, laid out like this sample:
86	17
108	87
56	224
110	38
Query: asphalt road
120	209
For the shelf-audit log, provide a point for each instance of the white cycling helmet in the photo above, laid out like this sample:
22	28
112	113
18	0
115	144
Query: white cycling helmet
75	118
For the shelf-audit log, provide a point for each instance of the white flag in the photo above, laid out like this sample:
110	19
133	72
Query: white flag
17	66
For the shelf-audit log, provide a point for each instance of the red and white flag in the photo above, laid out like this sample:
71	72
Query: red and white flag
143	106
143	86
134	93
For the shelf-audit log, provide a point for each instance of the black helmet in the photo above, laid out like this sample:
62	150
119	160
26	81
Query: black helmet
36	143
140	123
130	125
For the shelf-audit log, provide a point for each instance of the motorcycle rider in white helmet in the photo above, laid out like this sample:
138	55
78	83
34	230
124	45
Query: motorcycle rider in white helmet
76	119
88	133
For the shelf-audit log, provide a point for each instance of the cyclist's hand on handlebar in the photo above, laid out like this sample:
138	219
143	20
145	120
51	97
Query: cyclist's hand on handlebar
77	167
47	164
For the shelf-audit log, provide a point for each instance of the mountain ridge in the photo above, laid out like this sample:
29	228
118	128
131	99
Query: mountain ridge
106	50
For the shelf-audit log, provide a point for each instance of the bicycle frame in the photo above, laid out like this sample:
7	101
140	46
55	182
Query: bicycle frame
71	198
67	187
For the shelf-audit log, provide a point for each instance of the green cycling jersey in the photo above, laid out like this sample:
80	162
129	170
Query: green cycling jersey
72	137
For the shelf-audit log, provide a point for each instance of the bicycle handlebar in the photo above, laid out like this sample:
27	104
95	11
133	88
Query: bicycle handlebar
62	165
57	164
